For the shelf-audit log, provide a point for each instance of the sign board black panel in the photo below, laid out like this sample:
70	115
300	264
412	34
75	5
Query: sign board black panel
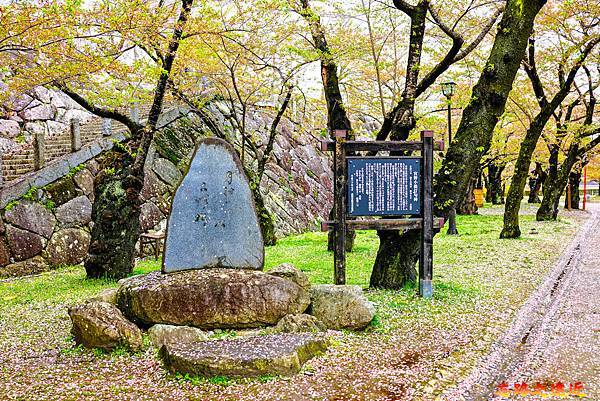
385	186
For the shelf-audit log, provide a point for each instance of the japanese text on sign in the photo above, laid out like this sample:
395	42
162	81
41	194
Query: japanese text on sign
384	186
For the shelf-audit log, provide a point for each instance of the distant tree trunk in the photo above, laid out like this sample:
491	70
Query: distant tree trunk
495	191
574	181
547	108
553	190
395	263
535	183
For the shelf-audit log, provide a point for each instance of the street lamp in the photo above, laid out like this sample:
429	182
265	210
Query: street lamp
448	91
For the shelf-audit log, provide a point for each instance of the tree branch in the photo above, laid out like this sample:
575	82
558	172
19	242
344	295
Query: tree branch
100	111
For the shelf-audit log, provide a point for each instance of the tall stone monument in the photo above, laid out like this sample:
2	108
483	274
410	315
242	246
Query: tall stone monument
213	221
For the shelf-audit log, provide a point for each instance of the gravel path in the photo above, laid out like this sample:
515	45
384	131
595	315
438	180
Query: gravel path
552	351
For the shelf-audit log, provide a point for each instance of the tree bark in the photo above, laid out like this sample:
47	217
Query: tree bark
574	181
467	206
337	117
553	189
495	191
535	183
116	211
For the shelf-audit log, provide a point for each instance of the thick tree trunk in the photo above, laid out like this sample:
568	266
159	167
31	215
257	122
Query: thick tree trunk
400	250
471	142
495	191
116	221
116	209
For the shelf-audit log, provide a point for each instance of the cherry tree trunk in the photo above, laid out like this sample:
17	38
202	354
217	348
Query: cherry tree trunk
397	256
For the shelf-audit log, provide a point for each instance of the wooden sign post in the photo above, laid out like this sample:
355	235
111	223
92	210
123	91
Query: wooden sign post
396	190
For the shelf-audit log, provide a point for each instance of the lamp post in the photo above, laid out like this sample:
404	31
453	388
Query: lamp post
448	91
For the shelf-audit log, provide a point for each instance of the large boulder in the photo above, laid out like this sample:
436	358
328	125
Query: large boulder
290	272
341	306
23	244
77	211
161	334
277	354
68	247
31	216
211	298
102	325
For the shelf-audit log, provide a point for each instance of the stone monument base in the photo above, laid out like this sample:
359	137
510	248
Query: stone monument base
275	354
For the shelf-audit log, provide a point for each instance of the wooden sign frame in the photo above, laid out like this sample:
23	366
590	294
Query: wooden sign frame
341	147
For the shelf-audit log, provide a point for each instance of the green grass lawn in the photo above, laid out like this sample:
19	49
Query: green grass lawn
480	282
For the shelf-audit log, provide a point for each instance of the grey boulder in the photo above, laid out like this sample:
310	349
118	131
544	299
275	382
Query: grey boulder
210	298
341	306
102	325
290	272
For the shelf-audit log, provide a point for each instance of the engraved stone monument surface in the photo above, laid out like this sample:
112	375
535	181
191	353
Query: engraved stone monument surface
213	221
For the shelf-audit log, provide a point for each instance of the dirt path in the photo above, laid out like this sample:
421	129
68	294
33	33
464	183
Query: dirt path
555	339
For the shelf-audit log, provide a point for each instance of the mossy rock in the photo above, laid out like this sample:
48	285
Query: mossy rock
270	355
62	191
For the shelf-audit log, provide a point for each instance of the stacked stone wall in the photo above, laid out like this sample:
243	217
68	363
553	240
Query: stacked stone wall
50	225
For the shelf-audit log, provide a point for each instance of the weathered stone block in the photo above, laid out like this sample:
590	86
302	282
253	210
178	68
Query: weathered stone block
76	212
167	171
85	181
292	273
23	244
102	325
62	191
68	247
301	323
276	354
161	334
211	298
341	306
150	216
33	217
35	265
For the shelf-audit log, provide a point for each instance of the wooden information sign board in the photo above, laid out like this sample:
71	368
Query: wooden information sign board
390	188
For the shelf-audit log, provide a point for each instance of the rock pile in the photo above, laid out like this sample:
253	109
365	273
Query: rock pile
221	287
